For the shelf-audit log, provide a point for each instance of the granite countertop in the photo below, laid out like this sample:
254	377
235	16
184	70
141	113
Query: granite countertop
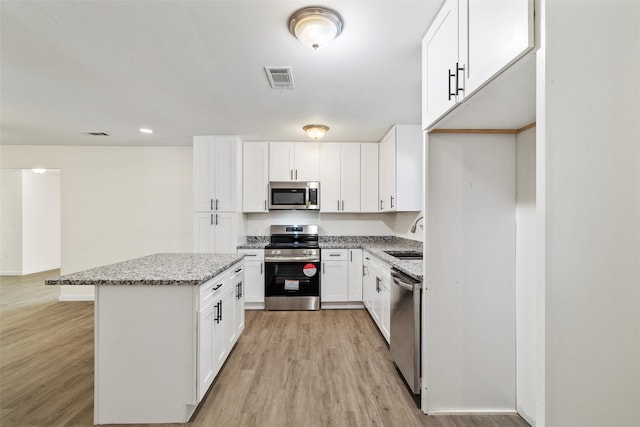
157	269
375	245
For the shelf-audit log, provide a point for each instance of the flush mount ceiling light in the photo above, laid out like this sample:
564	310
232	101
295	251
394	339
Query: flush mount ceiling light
146	130
315	26
315	131
39	171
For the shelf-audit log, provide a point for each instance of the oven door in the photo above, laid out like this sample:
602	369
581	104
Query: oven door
291	285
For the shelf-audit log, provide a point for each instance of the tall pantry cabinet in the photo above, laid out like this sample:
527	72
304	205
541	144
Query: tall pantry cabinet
216	186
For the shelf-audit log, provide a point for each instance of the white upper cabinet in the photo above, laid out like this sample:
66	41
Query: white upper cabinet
255	176
294	161
439	56
340	177
497	32
369	177
400	169
467	45
215	168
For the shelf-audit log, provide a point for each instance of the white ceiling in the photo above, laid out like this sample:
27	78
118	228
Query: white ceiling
187	68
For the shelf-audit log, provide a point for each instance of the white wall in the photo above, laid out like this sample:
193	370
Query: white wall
337	224
469	359
117	203
526	275
10	222
591	84
40	221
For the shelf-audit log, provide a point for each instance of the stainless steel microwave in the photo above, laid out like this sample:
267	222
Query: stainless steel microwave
294	195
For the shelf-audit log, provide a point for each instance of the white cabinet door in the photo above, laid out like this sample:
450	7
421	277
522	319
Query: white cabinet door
214	173
330	182
255	176
203	232
306	161
385	306
281	161
368	285
206	372
219	333
253	275
355	274
388	171
224	167
236	303
400	161
224	225
496	33
203	184
439	56
350	177
369	177
334	281
214	232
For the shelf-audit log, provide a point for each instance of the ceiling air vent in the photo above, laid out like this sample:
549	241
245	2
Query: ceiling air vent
93	133
280	77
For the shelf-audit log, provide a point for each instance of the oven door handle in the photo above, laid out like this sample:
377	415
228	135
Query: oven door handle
292	259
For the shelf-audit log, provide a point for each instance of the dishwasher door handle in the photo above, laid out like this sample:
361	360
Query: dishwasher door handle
404	285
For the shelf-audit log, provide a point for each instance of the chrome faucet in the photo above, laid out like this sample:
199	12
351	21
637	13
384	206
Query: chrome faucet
415	224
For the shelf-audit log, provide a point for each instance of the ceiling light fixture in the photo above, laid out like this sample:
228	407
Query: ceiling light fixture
315	26
39	171
145	130
315	131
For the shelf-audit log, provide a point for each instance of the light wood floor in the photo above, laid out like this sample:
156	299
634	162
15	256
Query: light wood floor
326	368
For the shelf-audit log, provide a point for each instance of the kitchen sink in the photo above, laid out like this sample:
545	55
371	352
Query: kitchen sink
405	255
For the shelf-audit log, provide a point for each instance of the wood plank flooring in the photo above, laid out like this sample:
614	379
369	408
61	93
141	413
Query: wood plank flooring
326	368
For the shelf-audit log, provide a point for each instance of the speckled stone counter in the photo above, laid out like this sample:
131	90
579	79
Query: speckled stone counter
157	269
375	245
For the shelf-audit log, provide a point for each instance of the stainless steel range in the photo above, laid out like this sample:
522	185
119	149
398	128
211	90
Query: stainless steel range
292	267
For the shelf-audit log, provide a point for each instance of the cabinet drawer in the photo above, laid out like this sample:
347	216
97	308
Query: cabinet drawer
335	254
210	289
252	254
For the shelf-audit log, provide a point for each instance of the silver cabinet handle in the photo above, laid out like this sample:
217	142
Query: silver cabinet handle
250	254
351	256
265	205
391	202
217	204
291	174
211	219
343	205
296	174
261	269
323	268
334	254
381	201
338	204
216	219
211	205
377	284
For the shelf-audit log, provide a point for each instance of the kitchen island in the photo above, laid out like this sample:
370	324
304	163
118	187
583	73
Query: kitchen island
164	325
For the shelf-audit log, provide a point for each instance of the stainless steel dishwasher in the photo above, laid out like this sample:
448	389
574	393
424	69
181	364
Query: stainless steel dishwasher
405	327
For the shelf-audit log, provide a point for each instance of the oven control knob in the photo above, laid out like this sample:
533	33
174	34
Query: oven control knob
278	252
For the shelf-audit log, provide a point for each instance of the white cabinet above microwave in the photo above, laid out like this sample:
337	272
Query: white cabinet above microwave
294	161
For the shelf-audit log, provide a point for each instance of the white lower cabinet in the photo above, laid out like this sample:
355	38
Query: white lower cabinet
377	293
163	344
253	278
220	323
214	232
355	275
334	282
341	280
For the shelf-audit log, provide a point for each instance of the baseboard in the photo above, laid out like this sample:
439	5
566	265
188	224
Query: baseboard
76	298
11	273
474	412
341	305
254	305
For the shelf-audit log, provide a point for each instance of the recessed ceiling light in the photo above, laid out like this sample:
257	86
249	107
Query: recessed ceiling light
145	130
